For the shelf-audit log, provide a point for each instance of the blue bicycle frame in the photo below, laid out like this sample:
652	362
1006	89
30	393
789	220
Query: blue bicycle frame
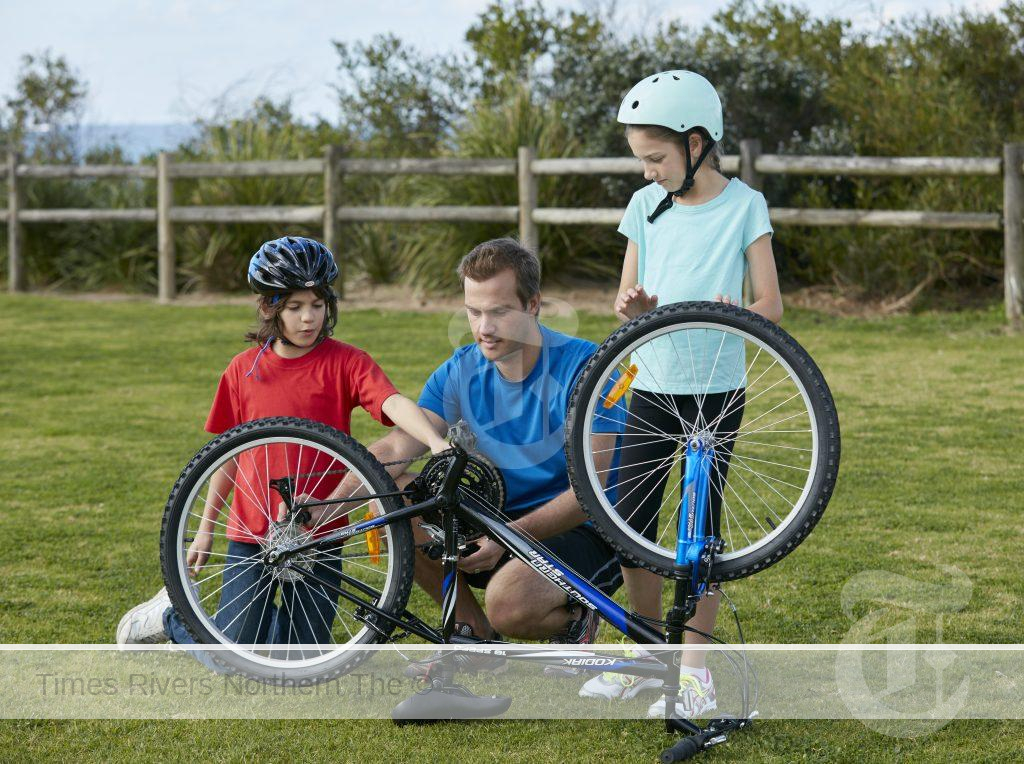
692	549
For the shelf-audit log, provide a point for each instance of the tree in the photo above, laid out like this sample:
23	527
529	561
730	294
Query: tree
396	100
42	116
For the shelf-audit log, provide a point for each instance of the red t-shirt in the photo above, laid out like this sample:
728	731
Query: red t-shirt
324	385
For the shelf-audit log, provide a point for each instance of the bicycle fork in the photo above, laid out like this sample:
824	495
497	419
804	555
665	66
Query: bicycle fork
694	549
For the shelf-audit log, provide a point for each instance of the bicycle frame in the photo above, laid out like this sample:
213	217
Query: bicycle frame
460	508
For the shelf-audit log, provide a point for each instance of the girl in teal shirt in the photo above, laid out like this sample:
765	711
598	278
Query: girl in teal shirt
693	234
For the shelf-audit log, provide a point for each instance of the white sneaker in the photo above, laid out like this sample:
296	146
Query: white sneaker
696	698
615	686
144	624
618	686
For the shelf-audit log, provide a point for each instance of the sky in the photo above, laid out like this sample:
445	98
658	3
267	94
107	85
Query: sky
171	61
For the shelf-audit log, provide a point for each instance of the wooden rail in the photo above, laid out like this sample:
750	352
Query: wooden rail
750	164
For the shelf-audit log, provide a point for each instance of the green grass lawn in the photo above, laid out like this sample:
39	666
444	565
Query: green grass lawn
102	404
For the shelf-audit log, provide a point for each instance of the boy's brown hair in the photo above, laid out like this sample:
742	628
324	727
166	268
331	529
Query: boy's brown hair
268	315
490	258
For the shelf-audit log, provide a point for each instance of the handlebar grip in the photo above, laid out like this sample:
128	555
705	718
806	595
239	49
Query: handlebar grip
685	749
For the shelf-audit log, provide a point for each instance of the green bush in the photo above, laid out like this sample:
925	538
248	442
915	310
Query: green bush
927	85
512	120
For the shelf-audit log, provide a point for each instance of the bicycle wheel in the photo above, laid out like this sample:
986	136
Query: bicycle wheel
282	624
731	378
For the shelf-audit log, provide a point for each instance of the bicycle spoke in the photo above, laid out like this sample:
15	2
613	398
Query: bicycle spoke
710	371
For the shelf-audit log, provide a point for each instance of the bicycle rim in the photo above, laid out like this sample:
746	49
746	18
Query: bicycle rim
278	620
701	378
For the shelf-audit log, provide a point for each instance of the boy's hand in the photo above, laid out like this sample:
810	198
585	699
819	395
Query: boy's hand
326	513
634	302
199	552
439	445
316	514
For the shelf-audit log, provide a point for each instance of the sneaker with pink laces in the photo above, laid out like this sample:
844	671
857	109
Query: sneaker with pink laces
696	696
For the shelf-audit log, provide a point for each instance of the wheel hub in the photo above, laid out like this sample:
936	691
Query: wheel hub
288	568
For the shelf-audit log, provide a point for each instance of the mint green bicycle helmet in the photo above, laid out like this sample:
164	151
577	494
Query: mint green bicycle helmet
681	101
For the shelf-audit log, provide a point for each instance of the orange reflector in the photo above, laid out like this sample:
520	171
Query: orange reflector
620	387
373	540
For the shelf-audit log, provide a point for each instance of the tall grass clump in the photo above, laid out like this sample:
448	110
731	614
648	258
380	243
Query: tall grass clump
91	256
213	257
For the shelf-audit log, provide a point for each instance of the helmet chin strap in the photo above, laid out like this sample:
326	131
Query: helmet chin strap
691	170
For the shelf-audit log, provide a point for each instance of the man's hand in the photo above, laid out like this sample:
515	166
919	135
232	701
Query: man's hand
485	558
634	302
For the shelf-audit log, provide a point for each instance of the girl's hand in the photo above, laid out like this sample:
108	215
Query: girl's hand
199	552
727	300
634	302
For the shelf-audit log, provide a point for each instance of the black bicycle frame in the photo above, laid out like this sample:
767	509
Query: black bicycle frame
460	508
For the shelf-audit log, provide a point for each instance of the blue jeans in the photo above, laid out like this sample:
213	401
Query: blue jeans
246	613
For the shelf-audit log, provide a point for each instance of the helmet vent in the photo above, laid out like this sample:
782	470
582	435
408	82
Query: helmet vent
635	104
675	78
655	79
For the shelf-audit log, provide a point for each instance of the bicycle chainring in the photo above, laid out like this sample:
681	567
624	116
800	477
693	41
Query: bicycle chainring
481	479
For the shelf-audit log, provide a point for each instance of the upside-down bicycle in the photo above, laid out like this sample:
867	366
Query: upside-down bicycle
765	454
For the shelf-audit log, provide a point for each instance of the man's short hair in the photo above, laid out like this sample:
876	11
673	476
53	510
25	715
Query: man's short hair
490	258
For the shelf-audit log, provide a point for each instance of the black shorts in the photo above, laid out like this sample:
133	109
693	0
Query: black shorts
650	415
582	549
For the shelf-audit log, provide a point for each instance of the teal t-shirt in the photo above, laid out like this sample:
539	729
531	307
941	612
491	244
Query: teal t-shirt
694	253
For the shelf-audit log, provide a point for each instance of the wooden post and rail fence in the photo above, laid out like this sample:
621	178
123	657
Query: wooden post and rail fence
751	165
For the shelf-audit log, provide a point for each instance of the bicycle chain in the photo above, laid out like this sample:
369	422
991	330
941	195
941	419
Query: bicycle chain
345	471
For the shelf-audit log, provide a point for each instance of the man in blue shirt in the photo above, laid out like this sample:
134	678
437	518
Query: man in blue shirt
512	386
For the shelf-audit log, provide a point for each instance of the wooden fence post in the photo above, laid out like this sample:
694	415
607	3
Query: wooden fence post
164	230
750	150
16	281
332	192
1013	233
527	198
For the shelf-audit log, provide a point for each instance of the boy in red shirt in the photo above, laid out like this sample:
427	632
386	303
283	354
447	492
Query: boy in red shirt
296	370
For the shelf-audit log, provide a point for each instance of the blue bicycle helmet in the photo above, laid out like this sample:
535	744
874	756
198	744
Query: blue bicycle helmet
292	263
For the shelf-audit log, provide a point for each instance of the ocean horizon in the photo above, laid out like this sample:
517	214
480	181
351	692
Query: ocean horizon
135	140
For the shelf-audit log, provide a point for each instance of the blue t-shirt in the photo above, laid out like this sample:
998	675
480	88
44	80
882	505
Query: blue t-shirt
520	426
694	252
